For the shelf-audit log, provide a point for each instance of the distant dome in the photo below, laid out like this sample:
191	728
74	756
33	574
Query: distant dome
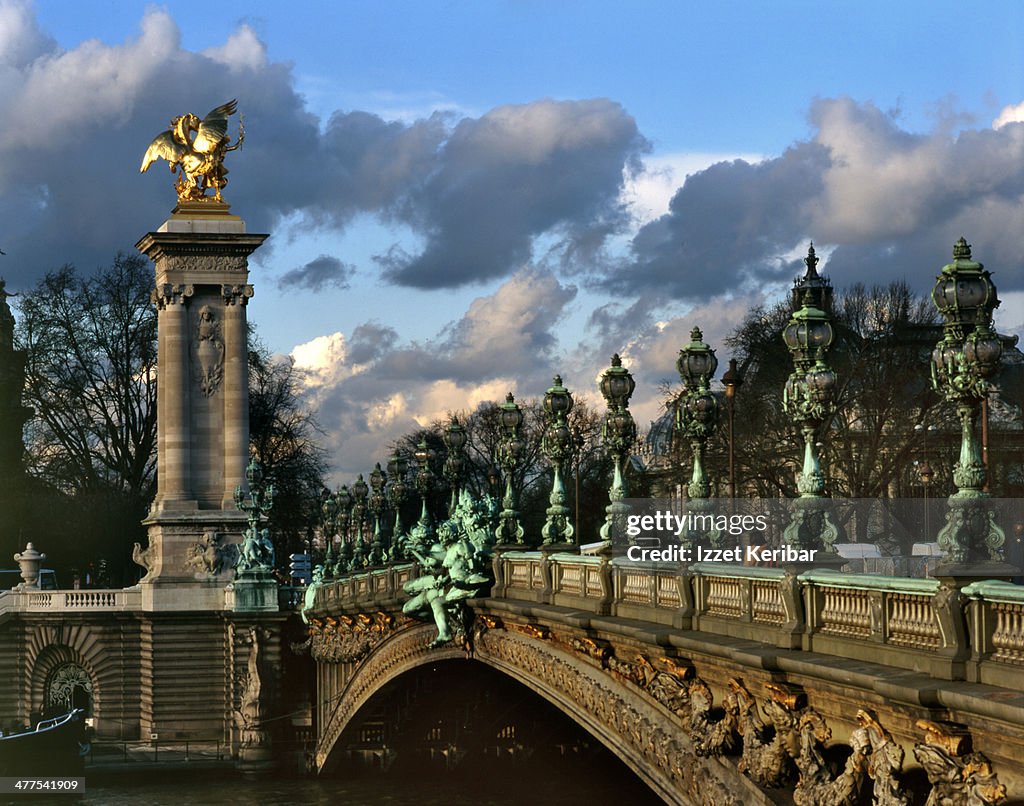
659	437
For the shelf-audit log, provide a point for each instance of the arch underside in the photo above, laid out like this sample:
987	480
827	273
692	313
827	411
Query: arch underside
642	733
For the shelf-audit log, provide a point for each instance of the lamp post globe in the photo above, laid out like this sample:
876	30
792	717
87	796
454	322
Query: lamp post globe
510	530
557	447
962	363
618	434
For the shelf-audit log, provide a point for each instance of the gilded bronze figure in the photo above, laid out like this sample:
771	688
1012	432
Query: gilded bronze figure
197	147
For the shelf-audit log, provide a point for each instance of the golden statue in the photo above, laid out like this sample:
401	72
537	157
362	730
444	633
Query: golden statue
197	147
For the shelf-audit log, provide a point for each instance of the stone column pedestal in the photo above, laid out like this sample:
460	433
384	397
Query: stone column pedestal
201	289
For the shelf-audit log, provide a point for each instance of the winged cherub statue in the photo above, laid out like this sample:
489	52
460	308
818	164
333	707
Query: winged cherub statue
197	147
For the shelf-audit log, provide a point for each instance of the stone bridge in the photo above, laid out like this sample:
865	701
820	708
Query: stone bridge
723	684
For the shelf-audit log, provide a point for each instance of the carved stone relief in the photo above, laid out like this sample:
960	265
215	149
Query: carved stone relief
209	351
209	557
204	263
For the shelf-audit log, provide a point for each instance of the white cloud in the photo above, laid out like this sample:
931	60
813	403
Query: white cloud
321	360
1009	114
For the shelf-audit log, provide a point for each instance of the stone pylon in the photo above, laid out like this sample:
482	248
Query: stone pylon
201	256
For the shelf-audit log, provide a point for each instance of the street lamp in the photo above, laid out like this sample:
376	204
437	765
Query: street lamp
377	504
697	421
421	537
557	447
455	441
359	492
329	519
344	561
257	551
732	381
808	400
962	362
511	419
618	435
397	490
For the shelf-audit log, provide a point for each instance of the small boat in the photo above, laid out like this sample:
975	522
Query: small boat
54	747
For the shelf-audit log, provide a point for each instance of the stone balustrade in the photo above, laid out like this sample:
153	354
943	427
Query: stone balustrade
996	628
976	634
70	601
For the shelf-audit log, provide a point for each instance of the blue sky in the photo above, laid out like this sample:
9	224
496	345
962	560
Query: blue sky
467	197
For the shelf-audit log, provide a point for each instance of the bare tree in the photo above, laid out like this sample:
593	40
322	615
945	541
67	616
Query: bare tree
282	438
91	378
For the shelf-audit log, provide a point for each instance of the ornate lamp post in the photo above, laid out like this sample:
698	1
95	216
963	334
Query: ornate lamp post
697	419
422	533
344	561
257	553
359	492
808	401
618	434
454	465
962	362
732	381
511	417
397	490
377	503
329	519
557	447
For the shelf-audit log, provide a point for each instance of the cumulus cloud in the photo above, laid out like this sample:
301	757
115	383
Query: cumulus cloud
889	202
319	273
370	388
513	174
477	191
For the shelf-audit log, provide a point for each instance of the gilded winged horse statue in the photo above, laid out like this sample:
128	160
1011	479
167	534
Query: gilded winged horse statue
197	147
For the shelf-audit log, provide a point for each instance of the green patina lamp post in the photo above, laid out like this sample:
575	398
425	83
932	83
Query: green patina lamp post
422	536
618	433
359	492
962	362
377	504
808	400
398	467
732	381
557	447
697	421
455	463
511	417
329	521
256	556
344	561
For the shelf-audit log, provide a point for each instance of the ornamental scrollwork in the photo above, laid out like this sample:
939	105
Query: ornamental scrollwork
167	294
959	775
204	263
237	294
349	639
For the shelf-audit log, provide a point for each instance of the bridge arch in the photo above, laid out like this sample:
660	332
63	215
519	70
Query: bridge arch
643	734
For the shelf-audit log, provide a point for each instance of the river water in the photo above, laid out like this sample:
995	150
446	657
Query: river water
536	783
